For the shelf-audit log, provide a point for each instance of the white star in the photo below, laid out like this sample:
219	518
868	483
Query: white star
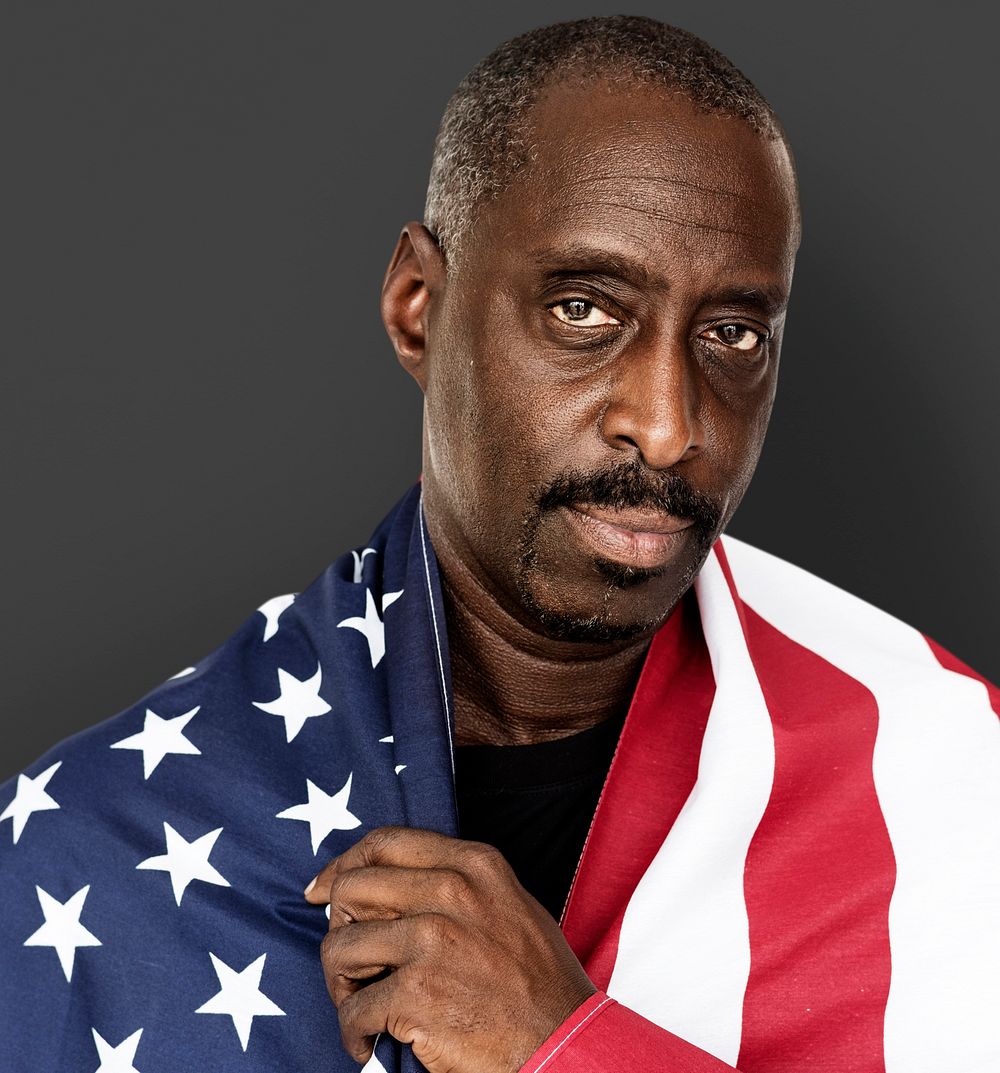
186	861
117	1059
30	797
240	997
324	812
182	674
359	564
388	738
400	767
272	609
62	929
159	737
371	625
297	701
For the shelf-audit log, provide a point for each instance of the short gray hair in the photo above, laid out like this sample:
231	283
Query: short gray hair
481	141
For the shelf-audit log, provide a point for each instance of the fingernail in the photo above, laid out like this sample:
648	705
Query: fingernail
312	883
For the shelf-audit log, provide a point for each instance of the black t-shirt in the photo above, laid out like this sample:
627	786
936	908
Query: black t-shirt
535	803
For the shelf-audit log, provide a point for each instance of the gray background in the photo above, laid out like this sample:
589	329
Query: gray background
200	408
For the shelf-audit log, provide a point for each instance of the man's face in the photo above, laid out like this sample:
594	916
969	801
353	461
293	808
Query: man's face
601	365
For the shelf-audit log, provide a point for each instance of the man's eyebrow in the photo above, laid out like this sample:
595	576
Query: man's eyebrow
592	260
573	260
770	300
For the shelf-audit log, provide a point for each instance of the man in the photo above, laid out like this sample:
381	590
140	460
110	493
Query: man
787	864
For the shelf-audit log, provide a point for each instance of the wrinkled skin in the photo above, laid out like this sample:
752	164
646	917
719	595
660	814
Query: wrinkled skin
618	308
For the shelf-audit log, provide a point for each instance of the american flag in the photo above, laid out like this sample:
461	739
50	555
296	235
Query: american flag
792	866
152	867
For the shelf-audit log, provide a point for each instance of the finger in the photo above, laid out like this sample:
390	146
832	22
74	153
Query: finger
339	987
383	892
363	1019
390	1005
403	847
360	951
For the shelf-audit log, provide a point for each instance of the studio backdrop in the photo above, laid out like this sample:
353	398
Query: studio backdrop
201	409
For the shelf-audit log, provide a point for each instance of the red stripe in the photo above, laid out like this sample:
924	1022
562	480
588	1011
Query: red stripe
953	663
602	1036
651	776
819	873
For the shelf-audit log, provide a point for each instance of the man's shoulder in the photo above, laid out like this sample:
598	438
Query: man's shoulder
172	740
841	626
284	694
191	821
209	731
163	851
172	841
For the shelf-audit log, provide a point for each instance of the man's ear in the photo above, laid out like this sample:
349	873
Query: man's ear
415	276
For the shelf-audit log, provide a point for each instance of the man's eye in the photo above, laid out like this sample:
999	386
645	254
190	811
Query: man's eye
582	313
737	336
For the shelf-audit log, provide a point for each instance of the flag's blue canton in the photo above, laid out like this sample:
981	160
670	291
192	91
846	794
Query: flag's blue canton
152	867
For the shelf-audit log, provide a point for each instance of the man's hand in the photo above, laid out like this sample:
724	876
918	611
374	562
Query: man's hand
433	940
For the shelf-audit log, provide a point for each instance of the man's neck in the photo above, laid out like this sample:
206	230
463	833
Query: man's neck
513	685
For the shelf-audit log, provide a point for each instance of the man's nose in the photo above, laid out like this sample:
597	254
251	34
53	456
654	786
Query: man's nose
654	403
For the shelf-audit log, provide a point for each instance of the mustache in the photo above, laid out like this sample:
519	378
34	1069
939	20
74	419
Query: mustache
633	485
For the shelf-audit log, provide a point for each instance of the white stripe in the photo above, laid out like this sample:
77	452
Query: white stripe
684	948
442	680
937	776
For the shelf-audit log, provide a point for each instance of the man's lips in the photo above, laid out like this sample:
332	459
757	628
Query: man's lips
639	538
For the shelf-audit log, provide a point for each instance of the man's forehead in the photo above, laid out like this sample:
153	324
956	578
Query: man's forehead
604	126
638	150
642	199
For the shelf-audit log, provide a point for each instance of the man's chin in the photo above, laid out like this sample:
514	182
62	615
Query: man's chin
561	626
619	612
572	592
